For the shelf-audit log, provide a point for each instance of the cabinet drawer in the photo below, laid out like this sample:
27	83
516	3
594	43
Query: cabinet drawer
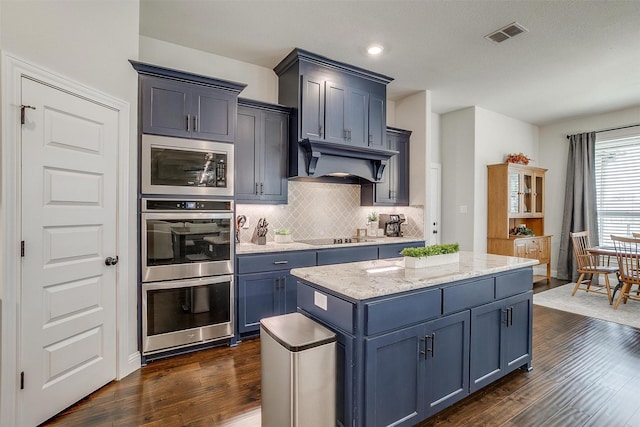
329	308
514	283
342	255
393	250
467	295
404	310
275	261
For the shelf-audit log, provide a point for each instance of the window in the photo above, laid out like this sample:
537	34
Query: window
618	183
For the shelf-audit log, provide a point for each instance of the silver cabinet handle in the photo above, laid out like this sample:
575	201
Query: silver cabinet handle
280	262
188	121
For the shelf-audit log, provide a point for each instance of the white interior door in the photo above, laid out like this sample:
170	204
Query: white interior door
68	294
435	191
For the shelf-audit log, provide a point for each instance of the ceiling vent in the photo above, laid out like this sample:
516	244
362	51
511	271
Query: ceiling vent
505	33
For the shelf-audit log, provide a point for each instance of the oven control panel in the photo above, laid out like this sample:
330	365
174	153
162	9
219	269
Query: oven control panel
149	205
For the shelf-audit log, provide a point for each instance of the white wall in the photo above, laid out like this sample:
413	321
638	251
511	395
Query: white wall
262	83
473	138
88	41
554	149
457	145
497	135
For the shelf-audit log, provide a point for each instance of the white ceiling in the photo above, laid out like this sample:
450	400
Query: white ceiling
579	57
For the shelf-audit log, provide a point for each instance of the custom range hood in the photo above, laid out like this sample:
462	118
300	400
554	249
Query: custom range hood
328	159
338	118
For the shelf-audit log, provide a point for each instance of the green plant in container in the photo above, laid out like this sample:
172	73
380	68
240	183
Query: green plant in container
448	248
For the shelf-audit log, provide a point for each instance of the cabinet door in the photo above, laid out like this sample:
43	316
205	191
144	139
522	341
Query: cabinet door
335	107
520	248
214	114
247	148
394	188
312	106
517	331
401	166
166	107
486	344
357	117
290	290
377	120
273	167
384	188
447	359
257	299
515	201
538	194
394	378
526	191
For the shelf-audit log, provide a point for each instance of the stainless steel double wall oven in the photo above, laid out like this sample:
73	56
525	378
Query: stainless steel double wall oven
187	243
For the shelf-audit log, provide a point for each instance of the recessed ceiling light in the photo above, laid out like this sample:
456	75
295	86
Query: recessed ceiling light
375	49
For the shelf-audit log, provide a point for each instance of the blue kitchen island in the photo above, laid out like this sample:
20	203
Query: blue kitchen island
412	342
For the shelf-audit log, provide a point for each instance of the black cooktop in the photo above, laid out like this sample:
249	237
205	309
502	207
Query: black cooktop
336	240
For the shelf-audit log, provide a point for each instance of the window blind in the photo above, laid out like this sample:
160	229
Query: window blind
617	187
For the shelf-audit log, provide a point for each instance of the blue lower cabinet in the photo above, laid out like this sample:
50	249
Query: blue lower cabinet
417	371
501	339
263	295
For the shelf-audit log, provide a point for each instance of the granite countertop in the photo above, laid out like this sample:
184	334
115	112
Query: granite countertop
251	248
369	279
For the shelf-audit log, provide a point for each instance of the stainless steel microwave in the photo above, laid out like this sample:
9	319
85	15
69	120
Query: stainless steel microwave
176	166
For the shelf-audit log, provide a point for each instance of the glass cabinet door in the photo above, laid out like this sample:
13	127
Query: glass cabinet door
538	194
514	192
527	193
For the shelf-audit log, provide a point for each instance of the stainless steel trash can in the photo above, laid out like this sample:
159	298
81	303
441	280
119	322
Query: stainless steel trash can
298	364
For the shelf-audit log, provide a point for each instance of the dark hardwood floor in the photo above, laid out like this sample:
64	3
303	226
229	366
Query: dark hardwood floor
585	372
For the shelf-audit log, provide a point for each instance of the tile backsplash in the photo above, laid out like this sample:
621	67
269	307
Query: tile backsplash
318	210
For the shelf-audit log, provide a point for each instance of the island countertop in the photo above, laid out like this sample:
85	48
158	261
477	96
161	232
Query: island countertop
369	279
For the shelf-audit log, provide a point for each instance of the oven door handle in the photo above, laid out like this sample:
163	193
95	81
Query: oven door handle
188	283
185	216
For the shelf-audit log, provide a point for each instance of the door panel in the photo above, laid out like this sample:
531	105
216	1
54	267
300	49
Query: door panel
274	168
486	347
67	334
312	108
169	103
394	378
247	155
518	334
357	117
335	106
214	110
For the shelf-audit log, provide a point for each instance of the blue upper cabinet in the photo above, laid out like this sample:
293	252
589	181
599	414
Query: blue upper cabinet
393	189
332	102
261	153
186	105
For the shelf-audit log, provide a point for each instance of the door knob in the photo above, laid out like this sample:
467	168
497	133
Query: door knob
111	260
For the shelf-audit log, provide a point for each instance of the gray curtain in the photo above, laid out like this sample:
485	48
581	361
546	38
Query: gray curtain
580	200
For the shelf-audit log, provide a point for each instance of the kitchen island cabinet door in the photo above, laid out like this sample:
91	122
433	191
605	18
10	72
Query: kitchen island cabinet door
166	107
518	338
500	338
394	378
447	358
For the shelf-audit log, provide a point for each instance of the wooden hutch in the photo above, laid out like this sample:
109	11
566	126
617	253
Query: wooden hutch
516	198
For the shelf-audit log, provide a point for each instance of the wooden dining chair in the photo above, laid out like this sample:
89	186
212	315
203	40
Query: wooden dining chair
591	266
628	255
